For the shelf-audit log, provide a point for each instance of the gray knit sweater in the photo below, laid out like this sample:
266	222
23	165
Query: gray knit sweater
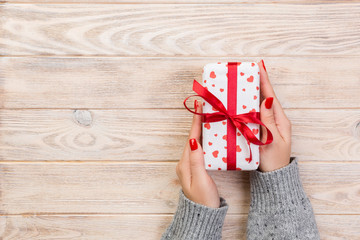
279	209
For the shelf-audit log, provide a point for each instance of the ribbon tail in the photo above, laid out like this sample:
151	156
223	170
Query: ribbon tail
250	159
206	117
208	96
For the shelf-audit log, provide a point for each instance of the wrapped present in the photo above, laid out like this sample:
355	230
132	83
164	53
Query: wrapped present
231	117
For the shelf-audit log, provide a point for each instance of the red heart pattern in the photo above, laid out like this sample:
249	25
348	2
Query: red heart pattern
250	79
238	149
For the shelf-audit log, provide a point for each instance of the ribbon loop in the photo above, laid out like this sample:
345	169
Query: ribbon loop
239	120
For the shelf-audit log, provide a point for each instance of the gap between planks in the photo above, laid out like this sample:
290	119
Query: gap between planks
170	57
141	162
191	3
176	108
137	214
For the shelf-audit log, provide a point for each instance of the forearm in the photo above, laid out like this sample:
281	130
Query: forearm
196	221
279	206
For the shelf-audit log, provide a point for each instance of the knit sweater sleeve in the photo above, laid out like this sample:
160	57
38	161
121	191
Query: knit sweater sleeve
279	207
196	221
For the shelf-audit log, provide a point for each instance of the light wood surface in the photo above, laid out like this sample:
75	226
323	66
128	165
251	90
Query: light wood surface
58	82
181	1
180	29
92	121
63	187
134	134
94	227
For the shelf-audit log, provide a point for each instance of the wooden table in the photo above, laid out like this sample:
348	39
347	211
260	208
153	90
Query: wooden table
92	122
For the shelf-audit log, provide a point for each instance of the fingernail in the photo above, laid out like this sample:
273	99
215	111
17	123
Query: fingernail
195	105
262	61
269	102
193	144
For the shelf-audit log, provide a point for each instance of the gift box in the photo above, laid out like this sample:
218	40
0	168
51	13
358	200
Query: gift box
231	117
245	85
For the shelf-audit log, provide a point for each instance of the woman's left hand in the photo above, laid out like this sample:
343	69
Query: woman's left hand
197	185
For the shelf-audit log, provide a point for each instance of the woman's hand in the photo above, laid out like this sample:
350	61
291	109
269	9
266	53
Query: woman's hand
277	154
197	185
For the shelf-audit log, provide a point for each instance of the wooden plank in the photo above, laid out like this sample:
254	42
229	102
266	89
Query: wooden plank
38	188
101	227
134	227
107	82
155	134
182	1
180	29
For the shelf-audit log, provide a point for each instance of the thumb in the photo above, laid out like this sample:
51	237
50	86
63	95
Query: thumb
267	117
197	164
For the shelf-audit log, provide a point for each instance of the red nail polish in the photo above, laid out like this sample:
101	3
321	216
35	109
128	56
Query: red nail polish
193	144
195	105
269	102
262	61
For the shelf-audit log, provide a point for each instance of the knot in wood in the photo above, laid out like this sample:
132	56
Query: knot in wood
83	117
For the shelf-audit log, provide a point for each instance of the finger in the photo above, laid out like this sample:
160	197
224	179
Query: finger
282	122
195	131
184	174
266	91
183	168
197	164
267	117
196	126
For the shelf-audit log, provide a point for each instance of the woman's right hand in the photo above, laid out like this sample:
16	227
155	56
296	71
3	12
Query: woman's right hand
276	154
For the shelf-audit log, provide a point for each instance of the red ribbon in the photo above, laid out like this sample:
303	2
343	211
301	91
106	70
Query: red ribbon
238	121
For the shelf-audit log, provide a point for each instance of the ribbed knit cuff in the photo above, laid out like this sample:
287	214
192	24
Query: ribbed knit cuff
278	189
196	221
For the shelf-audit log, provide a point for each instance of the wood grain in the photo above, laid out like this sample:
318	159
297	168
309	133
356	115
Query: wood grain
180	29
153	134
92	122
92	227
39	188
111	82
181	1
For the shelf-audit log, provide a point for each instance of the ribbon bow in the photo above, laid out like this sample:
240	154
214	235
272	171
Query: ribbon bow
238	120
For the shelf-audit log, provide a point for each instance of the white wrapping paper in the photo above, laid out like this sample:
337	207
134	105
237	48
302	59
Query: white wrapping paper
214	78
